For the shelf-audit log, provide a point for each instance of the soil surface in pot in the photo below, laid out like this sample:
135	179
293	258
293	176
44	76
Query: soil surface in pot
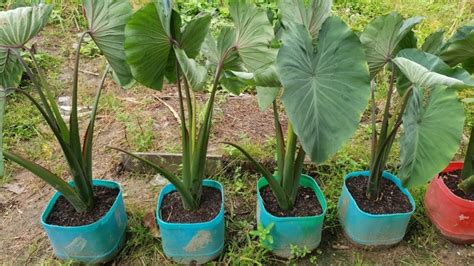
452	180
64	214
172	209
391	200
306	204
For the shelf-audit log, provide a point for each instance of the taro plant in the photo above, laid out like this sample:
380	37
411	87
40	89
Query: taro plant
322	70
106	28
467	175
428	106
158	47
459	50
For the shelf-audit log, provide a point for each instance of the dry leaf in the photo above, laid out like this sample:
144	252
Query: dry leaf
150	223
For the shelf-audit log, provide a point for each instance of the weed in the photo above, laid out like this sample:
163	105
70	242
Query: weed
263	235
90	50
298	252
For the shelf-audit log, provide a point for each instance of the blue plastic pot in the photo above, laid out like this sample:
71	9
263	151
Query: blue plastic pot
185	243
92	243
369	230
288	231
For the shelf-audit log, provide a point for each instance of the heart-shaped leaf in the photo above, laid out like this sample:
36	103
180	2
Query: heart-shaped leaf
312	16
460	48
243	48
194	34
254	34
107	20
326	88
382	38
147	47
431	133
17	27
149	36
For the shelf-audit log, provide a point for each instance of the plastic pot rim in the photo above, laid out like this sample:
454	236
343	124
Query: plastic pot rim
323	203
206	183
81	228
386	175
456	165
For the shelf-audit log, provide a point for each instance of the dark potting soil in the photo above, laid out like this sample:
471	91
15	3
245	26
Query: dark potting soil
173	211
64	214
306	204
391	199
452	180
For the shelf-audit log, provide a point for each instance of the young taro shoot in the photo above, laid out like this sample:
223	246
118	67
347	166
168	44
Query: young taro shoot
106	26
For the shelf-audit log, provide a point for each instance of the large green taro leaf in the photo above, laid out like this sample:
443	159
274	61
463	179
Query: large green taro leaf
147	47
384	37
424	69
460	48
17	27
312	16
107	20
254	34
242	48
432	130
325	88
149	37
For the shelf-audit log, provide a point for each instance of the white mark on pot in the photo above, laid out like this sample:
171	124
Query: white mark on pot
200	240
76	246
462	217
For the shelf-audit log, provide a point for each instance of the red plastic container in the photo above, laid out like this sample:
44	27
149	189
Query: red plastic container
452	215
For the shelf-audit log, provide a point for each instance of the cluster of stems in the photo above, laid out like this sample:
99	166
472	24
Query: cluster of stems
382	142
194	141
290	160
467	185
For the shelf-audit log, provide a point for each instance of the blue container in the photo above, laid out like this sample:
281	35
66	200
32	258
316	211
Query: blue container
185	243
288	231
92	243
369	230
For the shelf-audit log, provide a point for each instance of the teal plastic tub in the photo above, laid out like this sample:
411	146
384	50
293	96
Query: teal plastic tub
93	243
292	231
369	230
187	243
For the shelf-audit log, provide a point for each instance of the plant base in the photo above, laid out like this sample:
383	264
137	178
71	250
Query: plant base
187	243
368	230
304	232
453	216
93	243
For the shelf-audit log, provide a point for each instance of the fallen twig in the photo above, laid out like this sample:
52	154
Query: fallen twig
88	72
175	114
